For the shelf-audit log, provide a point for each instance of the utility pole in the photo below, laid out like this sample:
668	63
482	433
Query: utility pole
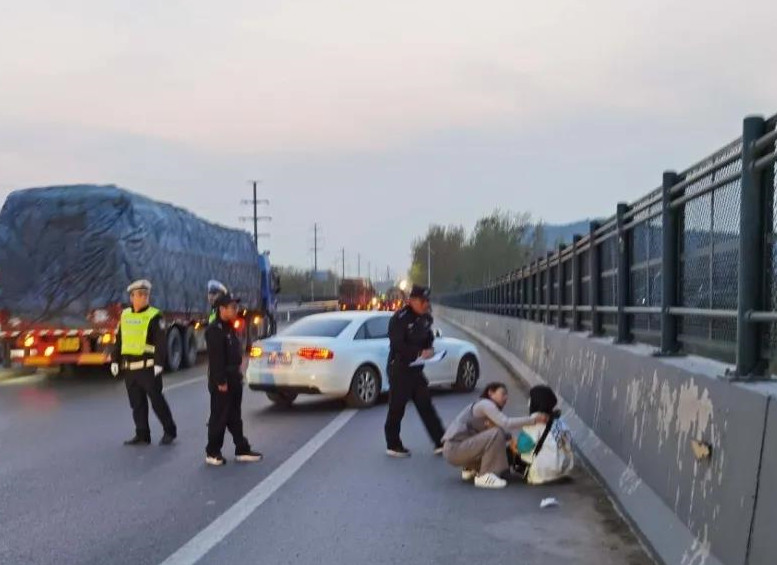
314	273
388	273
256	218
315	248
343	252
359	265
369	270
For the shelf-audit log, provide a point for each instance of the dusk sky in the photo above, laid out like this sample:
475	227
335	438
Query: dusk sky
375	119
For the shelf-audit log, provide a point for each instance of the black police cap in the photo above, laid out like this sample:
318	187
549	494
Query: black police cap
226	300
420	292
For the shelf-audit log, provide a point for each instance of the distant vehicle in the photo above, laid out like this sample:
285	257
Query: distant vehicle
395	299
344	355
67	254
356	294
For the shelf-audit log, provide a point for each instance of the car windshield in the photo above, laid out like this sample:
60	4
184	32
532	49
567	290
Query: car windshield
312	327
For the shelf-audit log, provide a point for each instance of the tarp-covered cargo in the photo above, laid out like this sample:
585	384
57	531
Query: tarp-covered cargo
66	250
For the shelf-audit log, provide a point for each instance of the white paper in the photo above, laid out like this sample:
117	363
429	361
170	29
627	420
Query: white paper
436	358
548	502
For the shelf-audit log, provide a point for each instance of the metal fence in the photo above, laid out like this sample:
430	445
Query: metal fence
690	267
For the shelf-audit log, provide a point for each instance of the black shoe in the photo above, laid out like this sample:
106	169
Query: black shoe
399	451
215	460
138	440
248	456
167	439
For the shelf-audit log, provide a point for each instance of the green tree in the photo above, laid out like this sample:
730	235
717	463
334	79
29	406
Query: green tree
296	284
497	244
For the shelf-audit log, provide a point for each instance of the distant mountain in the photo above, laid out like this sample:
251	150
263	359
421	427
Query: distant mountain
555	233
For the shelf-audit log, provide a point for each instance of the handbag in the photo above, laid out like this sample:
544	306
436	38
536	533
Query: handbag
517	464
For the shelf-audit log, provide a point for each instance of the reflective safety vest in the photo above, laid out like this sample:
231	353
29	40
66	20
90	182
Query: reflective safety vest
134	332
212	317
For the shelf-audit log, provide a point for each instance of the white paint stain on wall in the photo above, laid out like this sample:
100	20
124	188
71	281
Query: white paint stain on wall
694	414
699	551
666	412
629	481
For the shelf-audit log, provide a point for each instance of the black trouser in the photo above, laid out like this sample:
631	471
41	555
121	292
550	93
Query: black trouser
405	386
143	386
225	414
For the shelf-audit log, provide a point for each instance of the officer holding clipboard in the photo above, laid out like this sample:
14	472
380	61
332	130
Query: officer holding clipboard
411	339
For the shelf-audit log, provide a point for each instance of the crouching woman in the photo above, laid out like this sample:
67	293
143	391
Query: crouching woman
476	440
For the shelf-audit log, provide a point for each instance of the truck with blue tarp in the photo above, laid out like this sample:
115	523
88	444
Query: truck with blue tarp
68	253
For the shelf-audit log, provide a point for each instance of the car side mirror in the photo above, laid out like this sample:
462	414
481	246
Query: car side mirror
437	333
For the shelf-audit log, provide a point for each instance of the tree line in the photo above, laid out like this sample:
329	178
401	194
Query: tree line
297	284
499	242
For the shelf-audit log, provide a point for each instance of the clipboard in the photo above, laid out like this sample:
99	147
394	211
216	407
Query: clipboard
436	358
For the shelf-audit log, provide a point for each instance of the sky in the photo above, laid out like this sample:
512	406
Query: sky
375	119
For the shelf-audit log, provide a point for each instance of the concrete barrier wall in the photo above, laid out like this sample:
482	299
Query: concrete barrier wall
640	417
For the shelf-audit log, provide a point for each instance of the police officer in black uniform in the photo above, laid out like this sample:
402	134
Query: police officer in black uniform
138	357
225	384
411	338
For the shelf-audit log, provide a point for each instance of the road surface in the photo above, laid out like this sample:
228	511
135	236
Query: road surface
70	492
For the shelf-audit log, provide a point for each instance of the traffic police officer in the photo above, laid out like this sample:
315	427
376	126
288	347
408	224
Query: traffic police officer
225	384
138	357
411	338
215	289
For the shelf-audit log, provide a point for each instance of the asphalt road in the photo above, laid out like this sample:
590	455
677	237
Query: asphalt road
70	492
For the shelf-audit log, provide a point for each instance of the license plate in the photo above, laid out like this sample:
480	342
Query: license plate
68	344
279	358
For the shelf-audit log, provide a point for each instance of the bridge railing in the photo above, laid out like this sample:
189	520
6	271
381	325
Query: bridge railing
690	267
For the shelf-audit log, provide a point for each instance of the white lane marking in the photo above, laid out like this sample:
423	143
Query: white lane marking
184	383
197	547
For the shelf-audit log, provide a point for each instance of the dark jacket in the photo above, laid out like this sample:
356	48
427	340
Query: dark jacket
156	336
409	335
225	354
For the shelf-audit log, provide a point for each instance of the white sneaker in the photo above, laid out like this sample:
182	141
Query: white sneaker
468	474
215	460
438	450
248	457
489	480
399	452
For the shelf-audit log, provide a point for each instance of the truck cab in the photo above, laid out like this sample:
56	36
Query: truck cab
270	287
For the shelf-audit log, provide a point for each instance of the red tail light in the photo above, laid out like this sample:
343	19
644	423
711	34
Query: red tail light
316	353
238	324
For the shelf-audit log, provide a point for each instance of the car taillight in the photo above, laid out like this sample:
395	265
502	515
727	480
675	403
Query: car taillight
316	353
238	324
256	352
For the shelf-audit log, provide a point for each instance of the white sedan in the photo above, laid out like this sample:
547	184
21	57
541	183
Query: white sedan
345	354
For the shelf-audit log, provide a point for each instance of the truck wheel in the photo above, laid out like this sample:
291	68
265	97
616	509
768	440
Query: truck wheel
189	357
174	350
6	354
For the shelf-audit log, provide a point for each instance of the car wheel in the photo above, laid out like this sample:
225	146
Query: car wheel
365	388
174	350
285	399
468	374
